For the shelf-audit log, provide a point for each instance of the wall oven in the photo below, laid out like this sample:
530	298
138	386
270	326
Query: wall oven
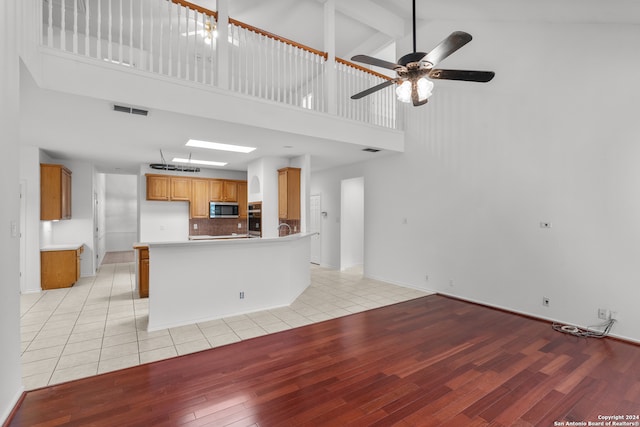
254	213
223	210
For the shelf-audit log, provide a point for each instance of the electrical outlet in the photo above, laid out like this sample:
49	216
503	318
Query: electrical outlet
602	313
195	226
241	294
545	301
239	225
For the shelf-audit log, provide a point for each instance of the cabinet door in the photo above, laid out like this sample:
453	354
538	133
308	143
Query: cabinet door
289	193
282	194
230	191
215	190
55	192
242	199
65	188
58	269
199	207
180	188
157	187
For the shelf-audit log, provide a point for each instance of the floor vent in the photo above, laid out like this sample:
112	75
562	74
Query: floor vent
130	110
370	150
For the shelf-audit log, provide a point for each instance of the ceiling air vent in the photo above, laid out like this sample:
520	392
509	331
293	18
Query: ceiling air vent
370	150
130	110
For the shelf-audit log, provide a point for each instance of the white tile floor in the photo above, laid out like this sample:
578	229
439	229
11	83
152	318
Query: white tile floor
99	324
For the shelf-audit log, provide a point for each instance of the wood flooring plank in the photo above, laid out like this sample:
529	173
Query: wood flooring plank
429	361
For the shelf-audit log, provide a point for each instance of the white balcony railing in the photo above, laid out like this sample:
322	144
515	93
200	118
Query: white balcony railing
180	40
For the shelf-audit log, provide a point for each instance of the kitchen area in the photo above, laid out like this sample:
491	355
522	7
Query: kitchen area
246	249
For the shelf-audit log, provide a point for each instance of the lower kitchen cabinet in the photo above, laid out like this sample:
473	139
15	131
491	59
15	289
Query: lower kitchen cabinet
143	270
59	268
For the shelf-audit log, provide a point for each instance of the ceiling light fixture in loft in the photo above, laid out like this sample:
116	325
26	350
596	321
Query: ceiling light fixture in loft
219	146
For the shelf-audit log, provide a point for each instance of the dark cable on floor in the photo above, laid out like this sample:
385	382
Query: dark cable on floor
589	332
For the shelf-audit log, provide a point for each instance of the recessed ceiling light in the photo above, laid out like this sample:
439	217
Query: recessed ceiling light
198	162
219	146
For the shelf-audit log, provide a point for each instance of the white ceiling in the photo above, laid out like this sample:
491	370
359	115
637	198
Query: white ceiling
62	123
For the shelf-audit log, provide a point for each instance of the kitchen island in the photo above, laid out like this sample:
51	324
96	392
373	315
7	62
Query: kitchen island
199	280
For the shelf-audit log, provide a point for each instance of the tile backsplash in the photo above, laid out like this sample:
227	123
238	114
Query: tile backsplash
293	223
217	226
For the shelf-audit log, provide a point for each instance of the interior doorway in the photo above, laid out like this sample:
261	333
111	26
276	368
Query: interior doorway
352	224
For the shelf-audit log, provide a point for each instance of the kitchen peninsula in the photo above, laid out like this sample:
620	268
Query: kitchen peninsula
199	280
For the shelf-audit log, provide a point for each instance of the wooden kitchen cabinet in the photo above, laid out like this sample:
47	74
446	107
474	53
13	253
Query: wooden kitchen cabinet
222	190
243	198
157	187
55	192
180	188
59	269
289	193
143	270
199	203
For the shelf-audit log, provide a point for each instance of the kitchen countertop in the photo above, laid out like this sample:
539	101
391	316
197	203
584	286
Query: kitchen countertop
62	247
226	236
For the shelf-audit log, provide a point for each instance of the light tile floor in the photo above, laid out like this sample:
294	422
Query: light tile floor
99	324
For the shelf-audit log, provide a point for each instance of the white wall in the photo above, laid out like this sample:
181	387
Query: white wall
30	176
352	230
101	201
121	212
10	371
485	164
265	171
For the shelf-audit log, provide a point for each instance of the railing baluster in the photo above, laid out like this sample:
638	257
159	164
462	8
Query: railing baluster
87	39
131	56
99	33
151	58
143	64
75	27
120	41
179	52
63	29
109	38
170	39
50	25
161	40
187	59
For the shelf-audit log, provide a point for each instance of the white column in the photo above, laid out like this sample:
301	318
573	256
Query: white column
330	47
222	44
10	371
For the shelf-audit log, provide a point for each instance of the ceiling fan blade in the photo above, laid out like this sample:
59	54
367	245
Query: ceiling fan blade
455	41
411	57
466	75
366	59
374	89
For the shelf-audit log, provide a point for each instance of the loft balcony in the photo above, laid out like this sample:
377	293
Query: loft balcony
202	54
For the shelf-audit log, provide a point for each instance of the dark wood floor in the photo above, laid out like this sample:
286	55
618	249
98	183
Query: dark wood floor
429	361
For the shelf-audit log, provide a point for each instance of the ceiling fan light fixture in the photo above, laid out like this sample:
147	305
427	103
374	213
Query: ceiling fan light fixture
424	87
404	91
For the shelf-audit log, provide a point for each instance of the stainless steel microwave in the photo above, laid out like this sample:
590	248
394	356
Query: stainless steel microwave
223	210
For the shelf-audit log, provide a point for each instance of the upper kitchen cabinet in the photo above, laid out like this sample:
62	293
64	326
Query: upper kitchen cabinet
180	188
243	197
157	187
168	187
199	207
221	190
289	193
55	192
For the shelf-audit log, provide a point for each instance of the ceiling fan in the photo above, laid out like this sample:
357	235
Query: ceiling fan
415	69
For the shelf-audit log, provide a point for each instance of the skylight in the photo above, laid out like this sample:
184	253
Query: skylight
219	146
